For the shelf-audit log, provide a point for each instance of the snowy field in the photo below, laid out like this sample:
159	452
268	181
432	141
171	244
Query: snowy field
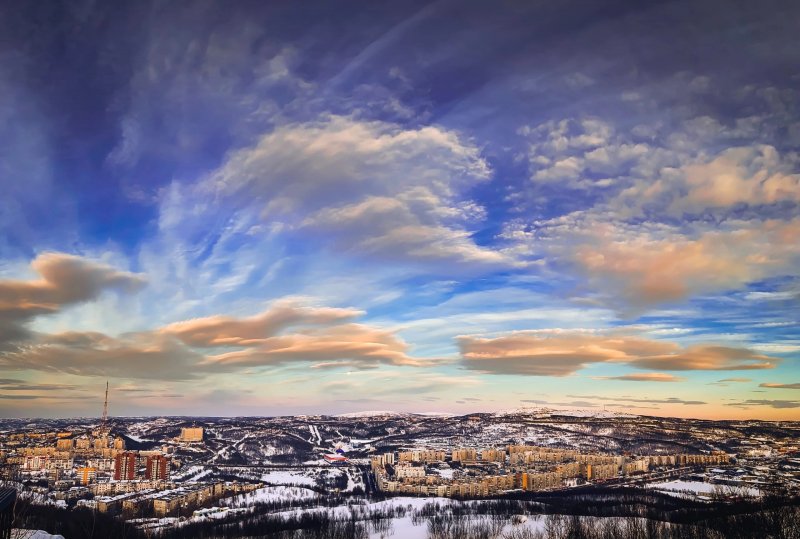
269	494
287	477
192	473
699	488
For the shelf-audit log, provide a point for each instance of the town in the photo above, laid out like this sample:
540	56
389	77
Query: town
96	471
161	474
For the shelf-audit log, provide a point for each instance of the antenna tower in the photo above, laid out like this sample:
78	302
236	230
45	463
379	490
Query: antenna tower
105	409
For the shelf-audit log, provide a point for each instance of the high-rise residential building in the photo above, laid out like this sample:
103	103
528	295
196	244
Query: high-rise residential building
65	444
119	443
157	467
86	474
125	467
83	443
464	455
192	434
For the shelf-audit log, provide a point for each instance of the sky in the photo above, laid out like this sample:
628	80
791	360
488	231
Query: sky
279	208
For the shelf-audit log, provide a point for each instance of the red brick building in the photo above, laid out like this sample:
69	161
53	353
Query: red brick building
156	467
125	467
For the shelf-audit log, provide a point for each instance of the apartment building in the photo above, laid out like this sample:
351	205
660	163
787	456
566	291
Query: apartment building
493	455
125	467
464	455
406	471
426	456
191	434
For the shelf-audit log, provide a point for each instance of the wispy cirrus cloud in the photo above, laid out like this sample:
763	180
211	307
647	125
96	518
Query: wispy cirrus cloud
370	188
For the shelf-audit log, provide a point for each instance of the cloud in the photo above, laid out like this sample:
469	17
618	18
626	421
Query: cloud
633	266
709	357
778	404
576	404
748	175
230	331
579	154
780	386
646	268
407	227
286	332
771	296
725	381
777	348
379	385
13	384
369	188
668	400
64	280
357	345
565	353
679	213
644	377
141	355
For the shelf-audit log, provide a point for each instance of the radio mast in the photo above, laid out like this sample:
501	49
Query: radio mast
105	410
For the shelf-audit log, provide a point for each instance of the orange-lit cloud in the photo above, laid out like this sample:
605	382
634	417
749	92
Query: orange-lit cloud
64	280
286	332
567	352
645	269
644	377
357	345
780	386
230	331
752	175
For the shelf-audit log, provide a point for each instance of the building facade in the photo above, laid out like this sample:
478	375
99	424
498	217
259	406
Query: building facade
125	467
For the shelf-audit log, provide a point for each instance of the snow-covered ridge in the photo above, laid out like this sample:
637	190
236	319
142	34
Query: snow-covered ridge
368	414
591	413
378	413
569	412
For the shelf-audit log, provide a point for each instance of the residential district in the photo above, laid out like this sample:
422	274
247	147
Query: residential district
473	473
95	470
158	472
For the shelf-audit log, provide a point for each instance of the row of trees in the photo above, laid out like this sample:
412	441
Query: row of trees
616	514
